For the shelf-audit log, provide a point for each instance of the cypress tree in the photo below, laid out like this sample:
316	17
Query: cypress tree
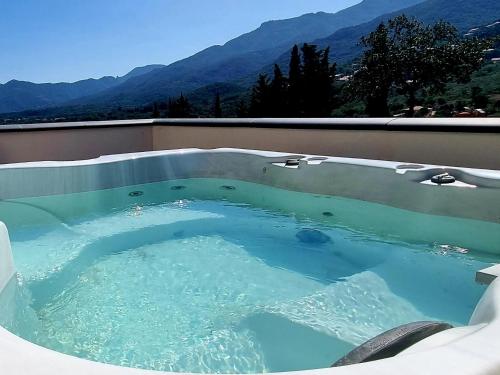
326	76
184	106
294	84
260	105
334	97
217	110
156	110
311	90
278	94
180	108
308	91
170	107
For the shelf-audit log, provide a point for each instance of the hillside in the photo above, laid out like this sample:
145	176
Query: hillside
344	43
307	27
18	96
221	68
21	95
463	14
239	57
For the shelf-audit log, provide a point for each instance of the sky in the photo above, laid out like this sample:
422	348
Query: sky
69	40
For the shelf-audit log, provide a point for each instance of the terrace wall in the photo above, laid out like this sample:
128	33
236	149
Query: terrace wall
69	143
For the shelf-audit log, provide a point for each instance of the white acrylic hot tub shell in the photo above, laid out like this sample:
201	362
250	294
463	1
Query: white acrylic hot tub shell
6	262
468	350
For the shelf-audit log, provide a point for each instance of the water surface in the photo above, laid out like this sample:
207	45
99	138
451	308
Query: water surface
184	276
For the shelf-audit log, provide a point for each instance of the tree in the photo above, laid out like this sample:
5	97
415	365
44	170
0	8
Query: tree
317	86
372	81
479	100
241	109
410	57
217	110
156	110
295	84
180	108
311	67
307	92
326	81
260	105
278	94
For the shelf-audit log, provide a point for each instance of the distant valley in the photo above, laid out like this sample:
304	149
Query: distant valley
16	96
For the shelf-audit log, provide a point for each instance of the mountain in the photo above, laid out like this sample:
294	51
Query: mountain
463	14
485	31
344	43
18	96
202	99
492	30
309	26
238	62
22	95
139	71
239	57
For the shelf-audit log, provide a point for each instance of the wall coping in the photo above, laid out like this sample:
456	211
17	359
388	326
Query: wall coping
472	125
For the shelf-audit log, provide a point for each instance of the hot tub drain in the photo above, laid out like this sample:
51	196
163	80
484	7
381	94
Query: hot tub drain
136	193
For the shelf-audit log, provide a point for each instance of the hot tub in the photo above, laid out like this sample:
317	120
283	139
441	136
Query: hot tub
236	261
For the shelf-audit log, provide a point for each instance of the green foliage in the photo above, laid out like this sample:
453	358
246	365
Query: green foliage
242	110
179	108
410	57
156	110
373	80
260	103
217	111
307	92
478	99
463	14
317	78
488	80
295	83
350	109
278	94
202	100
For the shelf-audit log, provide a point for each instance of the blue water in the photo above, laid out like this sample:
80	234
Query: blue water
180	281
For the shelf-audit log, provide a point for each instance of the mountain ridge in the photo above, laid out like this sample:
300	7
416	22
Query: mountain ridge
238	67
344	43
217	63
429	11
18	95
